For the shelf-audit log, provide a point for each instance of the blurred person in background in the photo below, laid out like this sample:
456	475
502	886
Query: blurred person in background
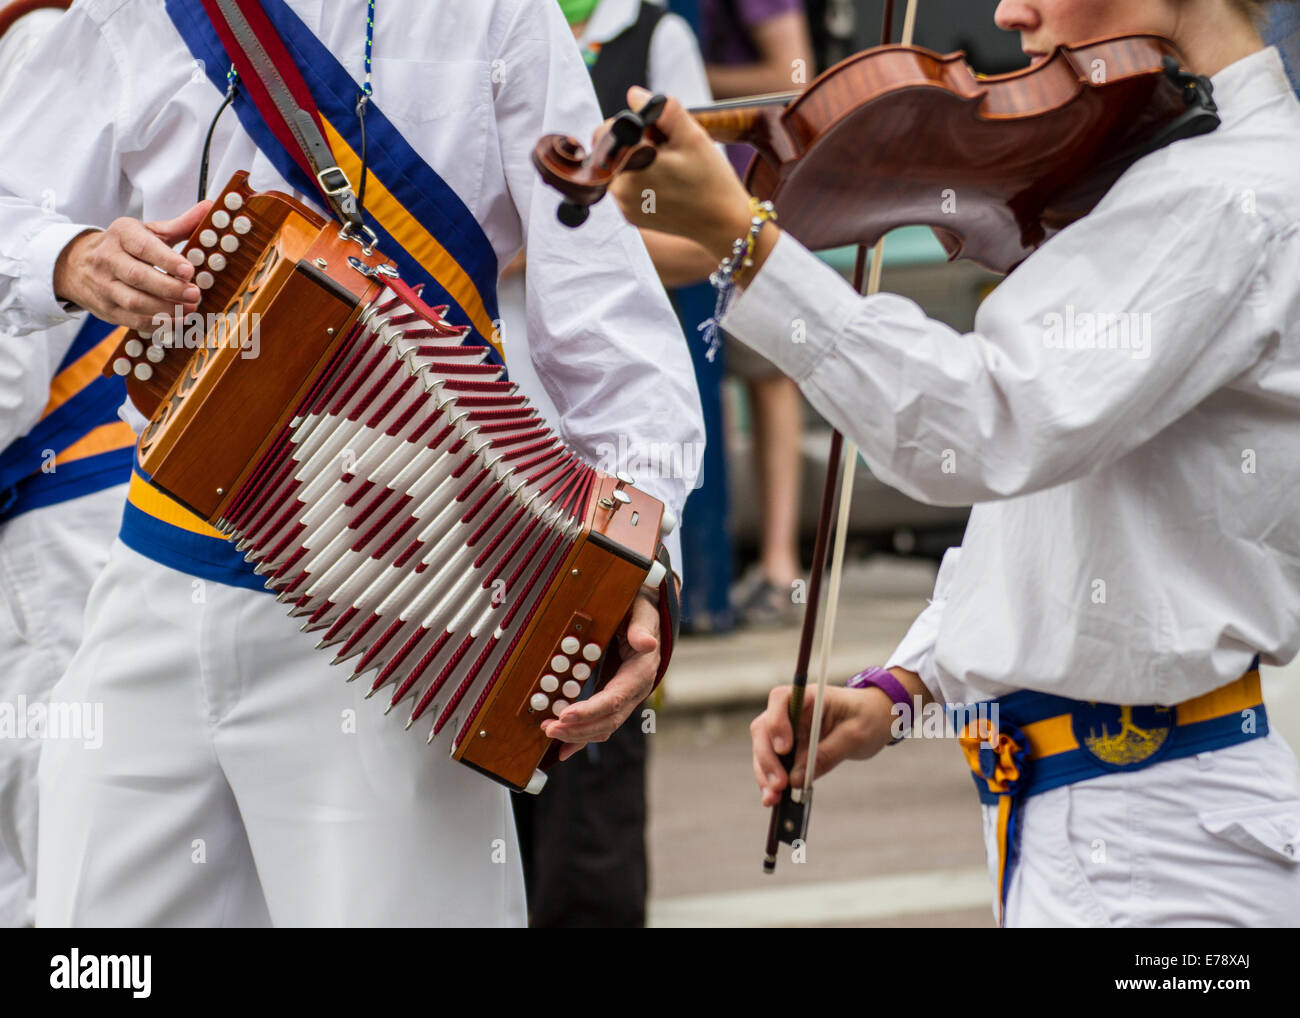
583	836
64	462
753	47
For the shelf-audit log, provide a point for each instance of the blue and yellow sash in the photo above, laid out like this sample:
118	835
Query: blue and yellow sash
420	221
79	446
1038	742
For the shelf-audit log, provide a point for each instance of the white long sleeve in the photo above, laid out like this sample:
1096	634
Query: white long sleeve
1135	536
471	86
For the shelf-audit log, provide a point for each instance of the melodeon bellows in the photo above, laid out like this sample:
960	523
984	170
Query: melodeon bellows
388	483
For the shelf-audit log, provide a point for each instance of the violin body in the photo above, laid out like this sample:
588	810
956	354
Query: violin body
901	135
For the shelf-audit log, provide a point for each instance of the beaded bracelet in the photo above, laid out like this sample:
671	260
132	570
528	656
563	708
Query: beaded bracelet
741	258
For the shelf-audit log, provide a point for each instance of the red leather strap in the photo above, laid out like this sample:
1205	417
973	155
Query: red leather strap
670	616
251	78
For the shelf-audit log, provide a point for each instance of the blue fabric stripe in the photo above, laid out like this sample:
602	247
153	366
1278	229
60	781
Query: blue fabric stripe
205	557
1185	740
71	480
411	180
96	404
93	330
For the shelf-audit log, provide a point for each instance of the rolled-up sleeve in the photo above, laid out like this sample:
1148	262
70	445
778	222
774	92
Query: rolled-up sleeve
1116	328
60	168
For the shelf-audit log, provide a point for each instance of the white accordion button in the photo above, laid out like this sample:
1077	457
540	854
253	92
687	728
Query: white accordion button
668	523
133	348
570	645
242	225
591	652
122	366
143	372
154	354
208	238
582	672
234	202
559	707
550	683
230	243
559	663
221	219
195	255
539	701
204	280
572	689
217	262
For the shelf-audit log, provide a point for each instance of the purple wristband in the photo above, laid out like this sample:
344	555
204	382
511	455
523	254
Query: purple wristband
881	679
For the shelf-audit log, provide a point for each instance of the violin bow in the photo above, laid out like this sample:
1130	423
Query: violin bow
790	816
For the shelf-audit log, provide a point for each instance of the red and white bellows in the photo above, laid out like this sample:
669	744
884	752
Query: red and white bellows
415	509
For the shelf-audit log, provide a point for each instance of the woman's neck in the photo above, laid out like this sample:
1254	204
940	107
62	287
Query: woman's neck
1212	35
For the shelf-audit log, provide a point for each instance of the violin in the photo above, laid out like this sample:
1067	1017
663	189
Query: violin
903	136
900	135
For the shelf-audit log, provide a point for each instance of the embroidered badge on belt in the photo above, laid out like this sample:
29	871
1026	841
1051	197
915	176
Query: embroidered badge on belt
1122	738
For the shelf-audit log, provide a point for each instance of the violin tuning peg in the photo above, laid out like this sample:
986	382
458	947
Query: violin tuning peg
627	129
653	108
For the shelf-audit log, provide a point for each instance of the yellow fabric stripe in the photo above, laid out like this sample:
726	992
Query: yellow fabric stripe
1004	821
1056	735
105	438
81	372
1050	736
1230	699
418	242
153	502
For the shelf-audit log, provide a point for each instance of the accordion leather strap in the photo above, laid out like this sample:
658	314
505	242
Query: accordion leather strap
670	615
282	97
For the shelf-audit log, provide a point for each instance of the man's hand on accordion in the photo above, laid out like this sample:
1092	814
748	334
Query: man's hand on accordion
596	719
129	274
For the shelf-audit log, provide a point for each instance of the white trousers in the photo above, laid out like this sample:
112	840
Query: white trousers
1208	840
243	782
48	559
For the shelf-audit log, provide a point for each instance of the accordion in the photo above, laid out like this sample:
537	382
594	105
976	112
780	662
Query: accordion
390	486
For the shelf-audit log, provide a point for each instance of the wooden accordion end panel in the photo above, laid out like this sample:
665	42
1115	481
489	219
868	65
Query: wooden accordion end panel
404	499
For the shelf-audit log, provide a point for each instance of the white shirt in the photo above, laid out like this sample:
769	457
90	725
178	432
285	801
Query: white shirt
1136	530
472	86
26	365
676	68
17	43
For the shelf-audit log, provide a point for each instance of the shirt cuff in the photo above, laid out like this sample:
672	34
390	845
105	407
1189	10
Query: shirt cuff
793	310
36	285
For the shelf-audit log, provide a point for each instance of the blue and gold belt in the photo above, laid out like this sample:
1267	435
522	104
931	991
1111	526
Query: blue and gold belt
1035	742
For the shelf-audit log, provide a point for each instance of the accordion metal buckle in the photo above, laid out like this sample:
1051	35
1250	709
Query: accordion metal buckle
399	496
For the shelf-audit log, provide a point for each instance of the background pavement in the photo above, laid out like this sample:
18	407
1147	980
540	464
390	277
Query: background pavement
894	841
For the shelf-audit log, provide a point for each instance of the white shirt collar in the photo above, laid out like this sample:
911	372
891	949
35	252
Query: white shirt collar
1249	82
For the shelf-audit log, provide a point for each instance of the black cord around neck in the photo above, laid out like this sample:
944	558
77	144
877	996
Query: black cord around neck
232	89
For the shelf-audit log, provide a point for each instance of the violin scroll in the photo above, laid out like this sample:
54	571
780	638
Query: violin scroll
583	178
